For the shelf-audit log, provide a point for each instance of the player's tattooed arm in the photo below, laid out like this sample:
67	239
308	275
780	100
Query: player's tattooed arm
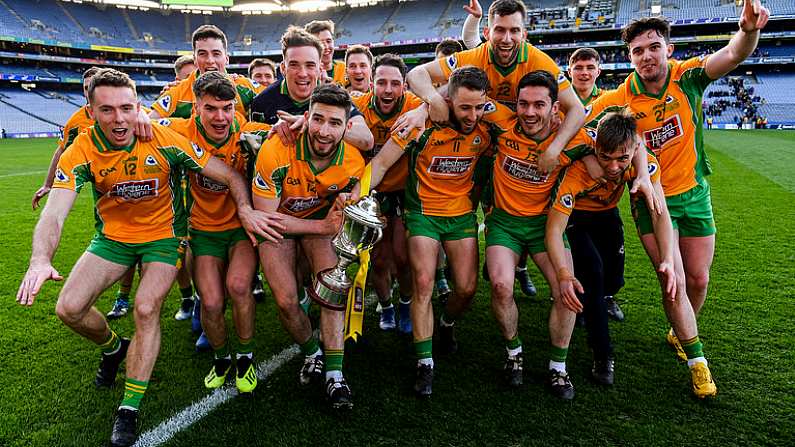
46	237
670	282
753	19
575	118
568	285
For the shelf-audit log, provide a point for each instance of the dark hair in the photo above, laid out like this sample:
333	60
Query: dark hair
614	131
318	26
639	26
539	78
261	62
448	46
182	61
391	60
358	49
332	95
470	77
298	37
215	84
108	77
91	71
208	32
504	8
584	54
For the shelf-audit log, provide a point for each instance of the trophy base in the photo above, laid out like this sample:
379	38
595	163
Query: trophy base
330	296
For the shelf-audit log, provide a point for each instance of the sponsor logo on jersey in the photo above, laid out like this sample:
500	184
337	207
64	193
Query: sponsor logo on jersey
164	102
210	185
135	190
670	130
199	151
259	182
567	201
300	204
164	122
523	170
61	176
150	161
106	171
451	166
653	168
292	181
452	62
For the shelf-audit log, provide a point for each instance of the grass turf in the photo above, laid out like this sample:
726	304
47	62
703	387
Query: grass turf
46	371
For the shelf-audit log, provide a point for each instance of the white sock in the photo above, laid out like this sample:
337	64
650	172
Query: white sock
250	355
386	307
428	361
557	366
515	352
334	375
405	302
126	407
693	361
521	269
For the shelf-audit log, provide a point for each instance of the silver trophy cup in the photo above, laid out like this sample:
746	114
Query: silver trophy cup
362	227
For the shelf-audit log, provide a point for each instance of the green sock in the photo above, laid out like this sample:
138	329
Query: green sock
222	351
557	354
133	393
334	359
693	347
112	344
187	292
514	343
310	346
245	347
423	348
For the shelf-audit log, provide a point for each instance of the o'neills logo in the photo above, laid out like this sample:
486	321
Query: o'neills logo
450	165
299	204
135	190
522	170
671	129
208	184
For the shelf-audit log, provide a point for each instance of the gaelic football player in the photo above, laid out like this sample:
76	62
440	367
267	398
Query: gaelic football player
263	73
333	71
183	67
359	69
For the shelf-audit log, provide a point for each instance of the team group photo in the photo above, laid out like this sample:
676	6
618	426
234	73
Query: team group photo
383	222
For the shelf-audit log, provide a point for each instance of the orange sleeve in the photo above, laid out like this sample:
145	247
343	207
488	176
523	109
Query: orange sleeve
73	170
546	63
461	59
571	184
270	170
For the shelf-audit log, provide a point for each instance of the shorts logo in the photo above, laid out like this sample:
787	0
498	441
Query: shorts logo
199	151
259	182
522	170
299	204
450	166
150	161
567	201
164	102
210	185
135	190
452	62
671	129
164	122
652	168
61	176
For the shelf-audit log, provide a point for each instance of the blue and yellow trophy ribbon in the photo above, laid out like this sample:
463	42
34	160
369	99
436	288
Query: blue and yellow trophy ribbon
354	314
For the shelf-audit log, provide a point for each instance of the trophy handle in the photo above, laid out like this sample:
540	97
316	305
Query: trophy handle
379	234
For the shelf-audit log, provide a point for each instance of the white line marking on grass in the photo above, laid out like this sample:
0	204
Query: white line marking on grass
195	412
22	174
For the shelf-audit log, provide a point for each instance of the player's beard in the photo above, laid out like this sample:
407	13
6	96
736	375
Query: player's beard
327	150
457	125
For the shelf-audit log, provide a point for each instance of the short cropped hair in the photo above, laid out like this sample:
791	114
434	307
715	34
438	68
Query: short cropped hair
261	62
182	61
539	78
108	77
615	130
504	8
359	49
639	26
215	84
391	60
208	32
332	95
448	46
90	72
318	26
297	37
584	54
470	77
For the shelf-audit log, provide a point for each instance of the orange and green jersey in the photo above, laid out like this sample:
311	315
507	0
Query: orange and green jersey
670	123
593	96
177	102
286	173
257	87
77	123
441	166
579	191
210	205
380	124
137	188
338	74
504	80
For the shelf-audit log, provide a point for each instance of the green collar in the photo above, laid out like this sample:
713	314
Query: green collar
285	91
637	87
235	127
102	143
594	93
521	56
395	110
304	153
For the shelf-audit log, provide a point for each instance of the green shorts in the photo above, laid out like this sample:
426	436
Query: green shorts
441	228
691	212
215	243
167	251
520	234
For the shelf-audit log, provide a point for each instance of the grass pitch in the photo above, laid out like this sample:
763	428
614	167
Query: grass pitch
46	371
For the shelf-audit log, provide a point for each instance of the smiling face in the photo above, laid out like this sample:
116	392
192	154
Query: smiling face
583	74
535	108
216	116
505	34
301	68
327	40
326	128
115	110
263	75
616	161
358	69
467	106
649	53
389	87
185	71
210	55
